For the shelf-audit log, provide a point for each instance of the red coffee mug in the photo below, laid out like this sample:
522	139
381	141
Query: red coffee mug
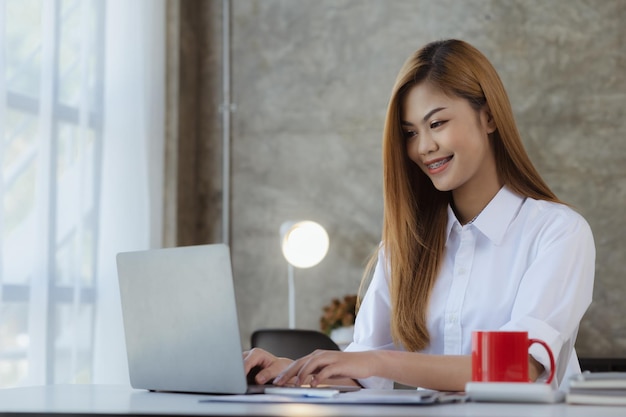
502	356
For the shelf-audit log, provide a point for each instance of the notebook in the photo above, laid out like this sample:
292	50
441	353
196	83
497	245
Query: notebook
180	320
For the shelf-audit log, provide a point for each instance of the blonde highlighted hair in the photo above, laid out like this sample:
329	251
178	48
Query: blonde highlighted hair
415	212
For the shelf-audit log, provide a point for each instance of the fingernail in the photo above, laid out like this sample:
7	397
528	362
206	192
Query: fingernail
260	379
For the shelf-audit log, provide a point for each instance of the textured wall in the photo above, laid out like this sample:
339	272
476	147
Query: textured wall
311	83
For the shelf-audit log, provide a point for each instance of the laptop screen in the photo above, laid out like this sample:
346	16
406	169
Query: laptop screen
180	320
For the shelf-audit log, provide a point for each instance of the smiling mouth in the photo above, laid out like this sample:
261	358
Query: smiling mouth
439	163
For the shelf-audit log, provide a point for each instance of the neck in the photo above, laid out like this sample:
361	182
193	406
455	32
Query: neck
468	204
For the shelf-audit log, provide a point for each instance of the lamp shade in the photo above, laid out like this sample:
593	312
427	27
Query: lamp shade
304	243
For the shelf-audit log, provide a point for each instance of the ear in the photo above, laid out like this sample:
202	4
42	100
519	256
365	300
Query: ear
488	121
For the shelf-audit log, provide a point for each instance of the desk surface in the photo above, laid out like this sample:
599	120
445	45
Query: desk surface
118	400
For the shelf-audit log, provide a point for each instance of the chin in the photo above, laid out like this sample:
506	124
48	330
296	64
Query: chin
443	187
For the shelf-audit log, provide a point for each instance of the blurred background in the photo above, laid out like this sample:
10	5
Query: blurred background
156	123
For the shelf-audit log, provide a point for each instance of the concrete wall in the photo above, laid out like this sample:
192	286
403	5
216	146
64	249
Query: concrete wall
311	81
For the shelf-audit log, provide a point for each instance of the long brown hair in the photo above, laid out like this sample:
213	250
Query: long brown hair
415	212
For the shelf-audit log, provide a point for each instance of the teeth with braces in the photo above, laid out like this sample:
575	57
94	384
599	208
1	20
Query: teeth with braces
438	163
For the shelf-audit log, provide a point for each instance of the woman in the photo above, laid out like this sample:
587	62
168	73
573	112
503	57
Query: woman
473	239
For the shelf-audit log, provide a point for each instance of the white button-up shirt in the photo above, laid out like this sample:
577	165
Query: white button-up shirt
523	264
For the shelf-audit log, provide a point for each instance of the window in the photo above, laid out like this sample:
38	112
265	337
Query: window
51	151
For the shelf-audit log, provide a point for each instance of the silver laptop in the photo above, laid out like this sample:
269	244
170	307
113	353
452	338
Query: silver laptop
180	320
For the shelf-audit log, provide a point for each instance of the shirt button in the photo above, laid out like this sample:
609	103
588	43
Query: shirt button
462	271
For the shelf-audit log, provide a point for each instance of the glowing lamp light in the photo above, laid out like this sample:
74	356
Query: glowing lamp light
304	244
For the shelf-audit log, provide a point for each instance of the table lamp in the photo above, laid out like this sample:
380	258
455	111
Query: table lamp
304	244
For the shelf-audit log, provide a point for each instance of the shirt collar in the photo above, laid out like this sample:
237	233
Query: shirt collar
495	218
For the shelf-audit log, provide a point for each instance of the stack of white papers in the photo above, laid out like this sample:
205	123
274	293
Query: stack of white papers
608	388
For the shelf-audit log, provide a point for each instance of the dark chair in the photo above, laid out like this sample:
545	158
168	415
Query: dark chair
602	364
291	343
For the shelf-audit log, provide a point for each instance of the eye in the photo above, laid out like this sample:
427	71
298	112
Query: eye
437	124
408	134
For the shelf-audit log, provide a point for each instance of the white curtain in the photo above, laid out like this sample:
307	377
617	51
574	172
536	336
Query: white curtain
131	215
81	156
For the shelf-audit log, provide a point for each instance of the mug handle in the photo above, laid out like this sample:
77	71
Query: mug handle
552	364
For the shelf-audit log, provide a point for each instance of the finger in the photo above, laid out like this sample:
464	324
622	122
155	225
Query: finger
301	369
350	365
330	371
264	376
256	358
267	374
290	372
316	364
248	361
246	358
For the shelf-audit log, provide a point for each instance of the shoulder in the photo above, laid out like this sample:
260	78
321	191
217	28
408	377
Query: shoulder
554	220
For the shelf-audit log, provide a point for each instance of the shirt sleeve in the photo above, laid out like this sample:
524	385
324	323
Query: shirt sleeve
556	289
372	325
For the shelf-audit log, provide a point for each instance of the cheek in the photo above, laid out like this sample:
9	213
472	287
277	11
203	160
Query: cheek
414	156
412	151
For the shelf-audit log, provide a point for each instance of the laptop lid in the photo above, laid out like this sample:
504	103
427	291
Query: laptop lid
180	320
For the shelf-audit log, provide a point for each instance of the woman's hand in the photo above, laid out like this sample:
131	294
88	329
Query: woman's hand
268	365
323	365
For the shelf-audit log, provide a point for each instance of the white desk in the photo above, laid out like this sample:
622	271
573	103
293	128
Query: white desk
120	400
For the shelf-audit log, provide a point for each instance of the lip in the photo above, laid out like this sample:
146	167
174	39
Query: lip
435	166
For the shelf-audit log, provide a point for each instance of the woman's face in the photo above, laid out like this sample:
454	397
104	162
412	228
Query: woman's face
448	139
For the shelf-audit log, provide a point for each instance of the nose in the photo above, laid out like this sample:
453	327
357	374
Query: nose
421	146
426	144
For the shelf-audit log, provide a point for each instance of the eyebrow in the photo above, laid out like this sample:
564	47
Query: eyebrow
426	117
433	111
